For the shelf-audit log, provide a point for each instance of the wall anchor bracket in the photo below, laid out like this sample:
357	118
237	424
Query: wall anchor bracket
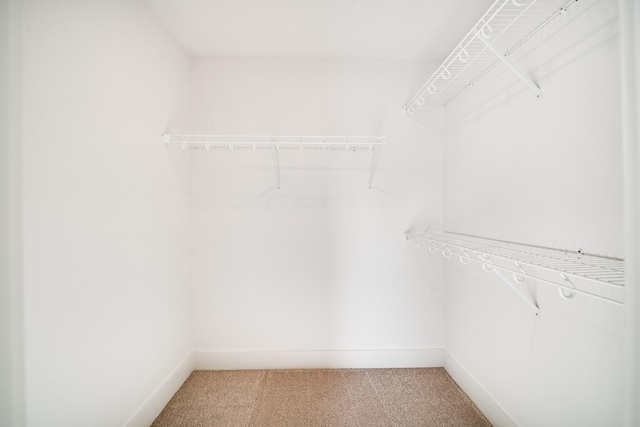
505	61
276	151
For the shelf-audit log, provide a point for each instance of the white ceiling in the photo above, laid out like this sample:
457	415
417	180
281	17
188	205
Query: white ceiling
363	29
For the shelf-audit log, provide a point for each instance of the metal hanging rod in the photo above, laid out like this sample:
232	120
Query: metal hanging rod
499	32
598	277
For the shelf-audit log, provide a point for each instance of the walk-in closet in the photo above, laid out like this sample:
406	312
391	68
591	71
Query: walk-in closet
320	213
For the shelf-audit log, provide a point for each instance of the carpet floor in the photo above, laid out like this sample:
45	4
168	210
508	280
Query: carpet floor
321	397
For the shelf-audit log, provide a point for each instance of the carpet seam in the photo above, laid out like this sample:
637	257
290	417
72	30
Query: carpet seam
258	396
384	407
355	412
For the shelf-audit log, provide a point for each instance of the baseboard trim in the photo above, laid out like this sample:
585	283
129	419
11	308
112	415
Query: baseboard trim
145	416
318	359
483	400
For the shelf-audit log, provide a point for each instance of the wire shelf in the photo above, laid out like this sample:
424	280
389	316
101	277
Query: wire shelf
572	272
267	142
284	152
506	26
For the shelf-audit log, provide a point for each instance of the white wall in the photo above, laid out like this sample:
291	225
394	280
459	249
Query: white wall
630	56
11	367
106	253
545	172
303	275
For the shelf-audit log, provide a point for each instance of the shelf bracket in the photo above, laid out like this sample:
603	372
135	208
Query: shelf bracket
373	166
504	60
488	266
530	303
276	151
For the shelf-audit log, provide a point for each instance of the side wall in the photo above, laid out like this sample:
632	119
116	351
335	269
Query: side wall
630	55
106	253
11	352
315	274
544	172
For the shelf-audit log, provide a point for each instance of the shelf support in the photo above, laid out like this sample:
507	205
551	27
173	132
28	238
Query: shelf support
605	272
276	151
513	287
488	266
373	166
504	60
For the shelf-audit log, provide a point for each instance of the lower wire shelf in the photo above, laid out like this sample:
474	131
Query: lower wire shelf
573	273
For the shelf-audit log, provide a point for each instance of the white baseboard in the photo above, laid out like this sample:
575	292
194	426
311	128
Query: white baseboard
319	359
145	416
483	400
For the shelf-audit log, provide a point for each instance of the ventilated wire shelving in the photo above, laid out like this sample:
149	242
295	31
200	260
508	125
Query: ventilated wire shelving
573	273
506	26
314	147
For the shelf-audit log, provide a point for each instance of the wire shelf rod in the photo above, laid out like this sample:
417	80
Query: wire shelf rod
508	22
424	87
530	276
519	260
473	34
547	255
272	139
313	147
297	147
491	67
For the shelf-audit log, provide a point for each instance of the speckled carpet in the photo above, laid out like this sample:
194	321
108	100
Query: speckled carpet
321	397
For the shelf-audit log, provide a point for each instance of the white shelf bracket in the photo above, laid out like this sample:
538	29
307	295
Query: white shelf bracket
489	267
505	61
604	275
373	165
530	303
276	151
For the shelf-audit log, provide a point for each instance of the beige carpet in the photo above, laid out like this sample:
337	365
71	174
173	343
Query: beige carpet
342	397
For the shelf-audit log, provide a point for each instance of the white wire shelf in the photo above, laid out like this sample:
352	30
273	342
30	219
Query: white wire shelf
506	26
270	142
573	273
368	146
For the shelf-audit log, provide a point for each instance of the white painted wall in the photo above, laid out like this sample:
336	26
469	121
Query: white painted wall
319	265
314	274
630	55
11	366
106	254
544	172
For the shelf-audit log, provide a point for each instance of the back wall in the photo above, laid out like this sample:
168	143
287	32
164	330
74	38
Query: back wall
316	273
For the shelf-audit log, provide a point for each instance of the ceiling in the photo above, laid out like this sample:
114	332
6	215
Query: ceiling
327	29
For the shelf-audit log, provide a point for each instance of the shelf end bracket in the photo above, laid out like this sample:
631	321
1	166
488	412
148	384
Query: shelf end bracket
276	151
533	305
504	60
373	165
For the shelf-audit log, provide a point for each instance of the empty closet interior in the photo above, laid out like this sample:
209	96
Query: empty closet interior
250	185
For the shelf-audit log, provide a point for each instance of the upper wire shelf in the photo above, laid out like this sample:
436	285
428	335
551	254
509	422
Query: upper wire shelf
571	272
506	26
274	142
278	147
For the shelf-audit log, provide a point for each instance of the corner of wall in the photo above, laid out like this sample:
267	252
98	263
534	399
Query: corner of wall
152	407
483	400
